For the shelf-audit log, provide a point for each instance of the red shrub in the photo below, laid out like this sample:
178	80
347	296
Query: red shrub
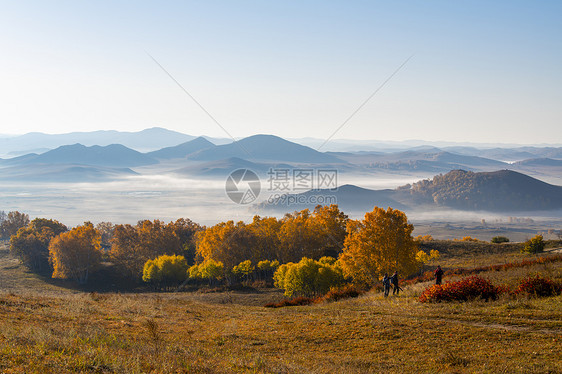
344	292
291	302
538	286
469	288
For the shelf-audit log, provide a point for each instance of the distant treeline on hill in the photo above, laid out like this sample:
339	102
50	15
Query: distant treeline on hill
502	190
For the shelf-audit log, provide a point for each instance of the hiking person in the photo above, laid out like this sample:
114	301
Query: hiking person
386	284
438	274
394	280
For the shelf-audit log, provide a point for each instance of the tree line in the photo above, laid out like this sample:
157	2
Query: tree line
304	252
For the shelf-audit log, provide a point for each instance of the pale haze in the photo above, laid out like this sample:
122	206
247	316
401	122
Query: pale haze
481	71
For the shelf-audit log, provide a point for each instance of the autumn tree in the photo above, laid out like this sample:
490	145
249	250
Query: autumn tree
31	243
329	224
76	254
12	222
265	235
316	234
165	270
227	242
308	277
184	230
106	231
266	268
380	243
244	270
534	245
132	246
209	269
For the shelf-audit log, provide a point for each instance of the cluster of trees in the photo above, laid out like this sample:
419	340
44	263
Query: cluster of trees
31	243
11	222
165	271
297	235
305	252
46	245
133	246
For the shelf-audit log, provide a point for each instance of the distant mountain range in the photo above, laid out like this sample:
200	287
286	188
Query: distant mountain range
144	141
190	156
498	191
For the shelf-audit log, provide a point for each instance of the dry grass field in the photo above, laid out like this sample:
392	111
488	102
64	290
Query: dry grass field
46	328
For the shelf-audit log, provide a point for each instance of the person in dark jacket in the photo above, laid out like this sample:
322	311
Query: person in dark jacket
394	280
438	274
386	284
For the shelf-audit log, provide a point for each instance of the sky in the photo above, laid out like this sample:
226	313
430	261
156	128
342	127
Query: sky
478	71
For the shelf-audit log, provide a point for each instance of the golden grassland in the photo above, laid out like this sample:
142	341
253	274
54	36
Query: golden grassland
46	328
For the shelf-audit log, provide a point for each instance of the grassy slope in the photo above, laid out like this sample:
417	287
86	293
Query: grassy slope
60	332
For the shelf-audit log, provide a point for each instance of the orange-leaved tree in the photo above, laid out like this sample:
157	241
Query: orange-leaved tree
31	243
380	243
76	254
227	242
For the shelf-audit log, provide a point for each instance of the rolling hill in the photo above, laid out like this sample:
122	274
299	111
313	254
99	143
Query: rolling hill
265	148
114	155
424	159
503	190
349	198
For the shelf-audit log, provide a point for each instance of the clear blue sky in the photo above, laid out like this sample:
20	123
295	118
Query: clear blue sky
482	71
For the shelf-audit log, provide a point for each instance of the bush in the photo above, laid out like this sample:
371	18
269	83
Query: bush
534	245
308	277
469	288
539	287
165	270
291	302
341	293
500	239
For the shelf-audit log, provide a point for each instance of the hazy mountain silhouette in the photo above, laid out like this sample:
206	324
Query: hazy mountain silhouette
509	154
265	148
424	159
182	150
222	168
146	140
114	155
534	162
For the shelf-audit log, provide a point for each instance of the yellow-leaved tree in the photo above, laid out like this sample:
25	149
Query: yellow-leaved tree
381	243
76	254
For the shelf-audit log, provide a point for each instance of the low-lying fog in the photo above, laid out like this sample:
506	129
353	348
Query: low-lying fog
169	197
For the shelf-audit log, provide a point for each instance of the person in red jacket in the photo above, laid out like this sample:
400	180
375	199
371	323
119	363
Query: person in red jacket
438	274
